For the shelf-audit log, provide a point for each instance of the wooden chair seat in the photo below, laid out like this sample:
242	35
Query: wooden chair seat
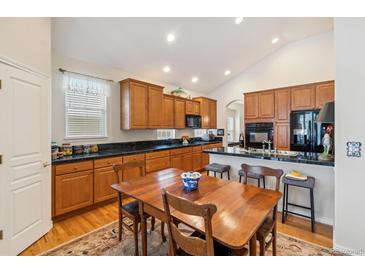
132	209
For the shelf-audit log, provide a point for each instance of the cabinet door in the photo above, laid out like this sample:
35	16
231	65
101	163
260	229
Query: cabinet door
205	159
282	139
168	112
155	98
157	164
179	113
73	191
138	104
197	161
266	104
282	105
303	98
196	108
189	107
251	106
187	162
176	161
205	113
213	114
324	93
103	179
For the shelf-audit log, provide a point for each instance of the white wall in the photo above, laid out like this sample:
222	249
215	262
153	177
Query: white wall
350	126
115	134
305	61
27	41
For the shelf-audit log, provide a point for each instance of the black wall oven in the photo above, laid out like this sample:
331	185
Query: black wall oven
257	133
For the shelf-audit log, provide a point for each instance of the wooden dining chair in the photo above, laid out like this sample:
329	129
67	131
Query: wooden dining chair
131	208
269	225
189	244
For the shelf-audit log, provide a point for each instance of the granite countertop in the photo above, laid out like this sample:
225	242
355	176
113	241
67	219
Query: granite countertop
302	157
122	149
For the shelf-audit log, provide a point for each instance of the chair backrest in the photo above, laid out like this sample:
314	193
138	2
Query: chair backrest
264	171
192	245
120	168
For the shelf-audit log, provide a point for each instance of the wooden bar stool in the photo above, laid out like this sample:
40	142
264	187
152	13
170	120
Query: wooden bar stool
218	168
309	184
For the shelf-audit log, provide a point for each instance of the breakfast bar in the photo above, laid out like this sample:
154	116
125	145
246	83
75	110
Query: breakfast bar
307	163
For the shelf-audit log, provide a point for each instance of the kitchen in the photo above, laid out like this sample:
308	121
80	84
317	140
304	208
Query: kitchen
160	112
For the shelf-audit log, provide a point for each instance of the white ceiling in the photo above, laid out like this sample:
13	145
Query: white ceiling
204	47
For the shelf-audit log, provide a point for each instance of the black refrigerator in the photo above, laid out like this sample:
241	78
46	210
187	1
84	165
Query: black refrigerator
305	134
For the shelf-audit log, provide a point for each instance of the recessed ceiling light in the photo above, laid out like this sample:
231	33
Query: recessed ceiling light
166	69
275	40
227	72
238	20
194	79
170	38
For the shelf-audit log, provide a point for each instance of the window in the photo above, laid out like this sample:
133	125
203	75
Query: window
199	132
85	106
163	134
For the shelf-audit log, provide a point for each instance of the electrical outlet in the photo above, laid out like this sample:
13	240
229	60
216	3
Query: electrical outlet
353	149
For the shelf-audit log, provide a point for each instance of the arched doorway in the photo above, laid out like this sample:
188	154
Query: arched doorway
234	121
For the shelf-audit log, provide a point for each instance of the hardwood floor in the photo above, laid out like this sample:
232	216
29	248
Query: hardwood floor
78	225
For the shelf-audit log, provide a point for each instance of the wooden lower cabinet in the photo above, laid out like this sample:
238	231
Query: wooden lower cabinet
103	179
282	139
156	164
182	161
73	191
197	161
132	172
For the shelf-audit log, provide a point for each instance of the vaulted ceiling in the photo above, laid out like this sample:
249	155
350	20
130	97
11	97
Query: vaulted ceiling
203	47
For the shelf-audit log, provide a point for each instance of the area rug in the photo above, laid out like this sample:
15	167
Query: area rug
104	242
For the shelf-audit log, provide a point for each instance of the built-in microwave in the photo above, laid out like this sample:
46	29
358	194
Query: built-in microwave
193	121
257	133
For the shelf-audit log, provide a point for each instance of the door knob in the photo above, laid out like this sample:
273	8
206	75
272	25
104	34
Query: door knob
46	164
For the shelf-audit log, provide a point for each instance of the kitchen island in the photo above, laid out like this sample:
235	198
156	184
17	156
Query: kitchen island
306	163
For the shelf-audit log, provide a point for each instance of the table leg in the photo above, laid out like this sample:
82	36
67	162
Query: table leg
253	245
143	229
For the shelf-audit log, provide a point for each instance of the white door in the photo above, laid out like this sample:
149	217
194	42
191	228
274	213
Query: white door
25	180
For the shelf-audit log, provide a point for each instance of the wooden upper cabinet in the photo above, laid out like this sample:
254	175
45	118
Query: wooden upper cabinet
282	139
208	112
155	101
266	104
324	93
251	103
213	114
168	111
179	113
303	97
282	105
192	107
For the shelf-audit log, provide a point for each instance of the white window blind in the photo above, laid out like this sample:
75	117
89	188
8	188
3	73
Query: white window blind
85	106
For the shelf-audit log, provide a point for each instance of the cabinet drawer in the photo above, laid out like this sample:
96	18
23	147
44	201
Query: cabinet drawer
197	148
108	162
132	158
157	154
181	150
157	164
73	167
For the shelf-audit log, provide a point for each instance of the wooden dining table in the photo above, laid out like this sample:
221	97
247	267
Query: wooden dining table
241	208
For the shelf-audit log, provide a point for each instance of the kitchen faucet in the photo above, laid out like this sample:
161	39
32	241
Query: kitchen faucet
269	145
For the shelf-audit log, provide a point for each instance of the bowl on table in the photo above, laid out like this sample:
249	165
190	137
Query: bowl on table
190	180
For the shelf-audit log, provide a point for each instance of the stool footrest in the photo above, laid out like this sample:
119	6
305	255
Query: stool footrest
298	214
305	207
